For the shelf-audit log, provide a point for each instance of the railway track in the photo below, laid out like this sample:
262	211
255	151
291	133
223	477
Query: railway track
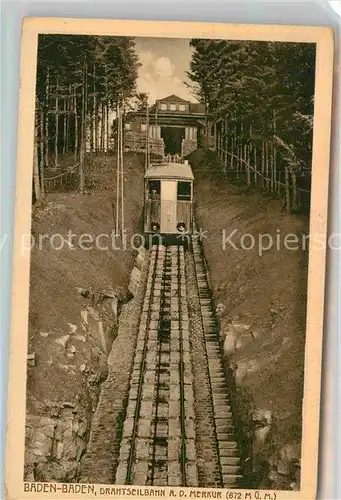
158	445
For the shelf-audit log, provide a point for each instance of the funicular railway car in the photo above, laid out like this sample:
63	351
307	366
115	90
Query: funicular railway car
168	209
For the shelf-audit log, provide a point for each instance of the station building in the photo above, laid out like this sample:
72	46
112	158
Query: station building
174	126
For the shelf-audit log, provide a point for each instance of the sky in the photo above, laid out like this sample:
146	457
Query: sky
164	65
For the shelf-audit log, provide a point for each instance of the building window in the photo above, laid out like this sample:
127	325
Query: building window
143	127
172	107
127	126
182	107
163	107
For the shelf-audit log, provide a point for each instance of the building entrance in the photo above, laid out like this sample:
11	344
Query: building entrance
172	137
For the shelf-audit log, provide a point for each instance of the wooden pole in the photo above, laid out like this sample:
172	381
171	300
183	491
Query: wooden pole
42	183
57	126
118	167
47	104
147	135
122	174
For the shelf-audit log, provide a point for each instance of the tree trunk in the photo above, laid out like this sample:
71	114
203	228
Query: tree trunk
274	152
36	179
76	123
248	157
267	165
83	131
57	127
69	100
102	127
287	191
225	148
247	160
96	114
255	164
95	111
86	142
237	160
42	183
64	126
47	104
206	125
107	123
221	140
274	161
92	114
271	167
263	163
295	201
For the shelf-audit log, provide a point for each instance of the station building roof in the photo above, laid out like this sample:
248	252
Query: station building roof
169	171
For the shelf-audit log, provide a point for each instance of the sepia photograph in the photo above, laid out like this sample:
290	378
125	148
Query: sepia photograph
176	201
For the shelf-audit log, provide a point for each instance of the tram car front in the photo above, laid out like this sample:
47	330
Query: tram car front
168	208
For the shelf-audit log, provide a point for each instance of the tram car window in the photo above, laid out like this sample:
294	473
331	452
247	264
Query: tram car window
184	191
168	200
154	190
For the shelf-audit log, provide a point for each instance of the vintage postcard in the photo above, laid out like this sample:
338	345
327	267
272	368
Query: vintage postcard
170	242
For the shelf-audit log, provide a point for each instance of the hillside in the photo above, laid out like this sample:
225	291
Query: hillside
261	304
75	300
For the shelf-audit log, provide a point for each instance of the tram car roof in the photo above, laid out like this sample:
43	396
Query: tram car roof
169	171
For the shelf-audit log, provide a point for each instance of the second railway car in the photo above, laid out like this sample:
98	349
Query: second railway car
168	208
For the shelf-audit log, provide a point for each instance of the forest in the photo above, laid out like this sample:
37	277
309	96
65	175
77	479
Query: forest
80	79
258	95
261	98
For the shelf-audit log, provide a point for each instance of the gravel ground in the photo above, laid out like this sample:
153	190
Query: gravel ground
101	458
205	437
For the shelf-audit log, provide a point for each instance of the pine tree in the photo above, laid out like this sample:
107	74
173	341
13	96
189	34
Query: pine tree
260	95
79	79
